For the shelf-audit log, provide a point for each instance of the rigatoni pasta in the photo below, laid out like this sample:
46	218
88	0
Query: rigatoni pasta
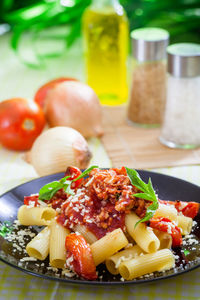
88	235
164	238
38	247
114	261
57	251
168	211
108	245
142	234
35	215
185	223
161	260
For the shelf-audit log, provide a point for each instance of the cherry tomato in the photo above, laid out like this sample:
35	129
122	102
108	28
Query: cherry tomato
74	172
166	225
83	262
29	199
43	90
191	210
21	122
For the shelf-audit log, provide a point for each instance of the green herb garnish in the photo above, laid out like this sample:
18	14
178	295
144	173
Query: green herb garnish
5	228
85	173
148	193
186	252
50	189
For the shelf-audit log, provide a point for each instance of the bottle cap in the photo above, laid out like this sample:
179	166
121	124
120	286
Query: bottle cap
184	59
149	44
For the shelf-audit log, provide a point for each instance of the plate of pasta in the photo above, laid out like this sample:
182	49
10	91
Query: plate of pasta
101	226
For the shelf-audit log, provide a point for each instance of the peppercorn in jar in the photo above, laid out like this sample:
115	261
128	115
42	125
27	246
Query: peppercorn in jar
148	86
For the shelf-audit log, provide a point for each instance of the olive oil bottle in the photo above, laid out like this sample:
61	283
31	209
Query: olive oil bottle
105	34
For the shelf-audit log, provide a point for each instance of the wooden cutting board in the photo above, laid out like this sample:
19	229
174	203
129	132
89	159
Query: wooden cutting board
137	147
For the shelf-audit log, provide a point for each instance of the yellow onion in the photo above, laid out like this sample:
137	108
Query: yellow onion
57	148
76	105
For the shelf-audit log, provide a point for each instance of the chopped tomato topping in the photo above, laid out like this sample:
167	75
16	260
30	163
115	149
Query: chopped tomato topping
29	199
61	219
188	209
166	225
79	251
191	209
74	172
56	203
121	171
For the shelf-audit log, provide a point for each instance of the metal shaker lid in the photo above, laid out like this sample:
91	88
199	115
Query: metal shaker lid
149	43
184	59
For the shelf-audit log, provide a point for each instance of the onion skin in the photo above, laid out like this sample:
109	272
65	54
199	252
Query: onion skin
76	105
41	93
82	154
57	148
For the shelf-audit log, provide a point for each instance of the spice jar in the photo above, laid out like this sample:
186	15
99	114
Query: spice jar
148	84
181	125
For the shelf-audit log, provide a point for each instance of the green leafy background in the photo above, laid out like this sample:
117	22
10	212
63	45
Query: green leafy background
49	21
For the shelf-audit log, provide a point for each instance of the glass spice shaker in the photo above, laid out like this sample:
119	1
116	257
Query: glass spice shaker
181	125
148	84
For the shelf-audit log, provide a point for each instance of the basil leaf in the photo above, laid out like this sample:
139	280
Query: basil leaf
148	193
62	180
49	190
85	173
68	190
150	187
186	252
143	196
135	179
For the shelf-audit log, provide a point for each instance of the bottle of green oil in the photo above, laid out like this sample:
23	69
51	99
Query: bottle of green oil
105	34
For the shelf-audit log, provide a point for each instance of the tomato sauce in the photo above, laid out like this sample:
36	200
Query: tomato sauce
101	202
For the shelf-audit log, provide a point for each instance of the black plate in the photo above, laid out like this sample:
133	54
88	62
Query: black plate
167	187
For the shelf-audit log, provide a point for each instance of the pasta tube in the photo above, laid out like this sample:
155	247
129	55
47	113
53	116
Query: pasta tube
108	245
35	215
57	252
167	211
88	235
39	246
158	261
113	262
164	238
142	234
185	223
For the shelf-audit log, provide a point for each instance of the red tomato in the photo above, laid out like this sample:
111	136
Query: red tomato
83	262
74	172
191	210
43	90
20	123
34	198
166	225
